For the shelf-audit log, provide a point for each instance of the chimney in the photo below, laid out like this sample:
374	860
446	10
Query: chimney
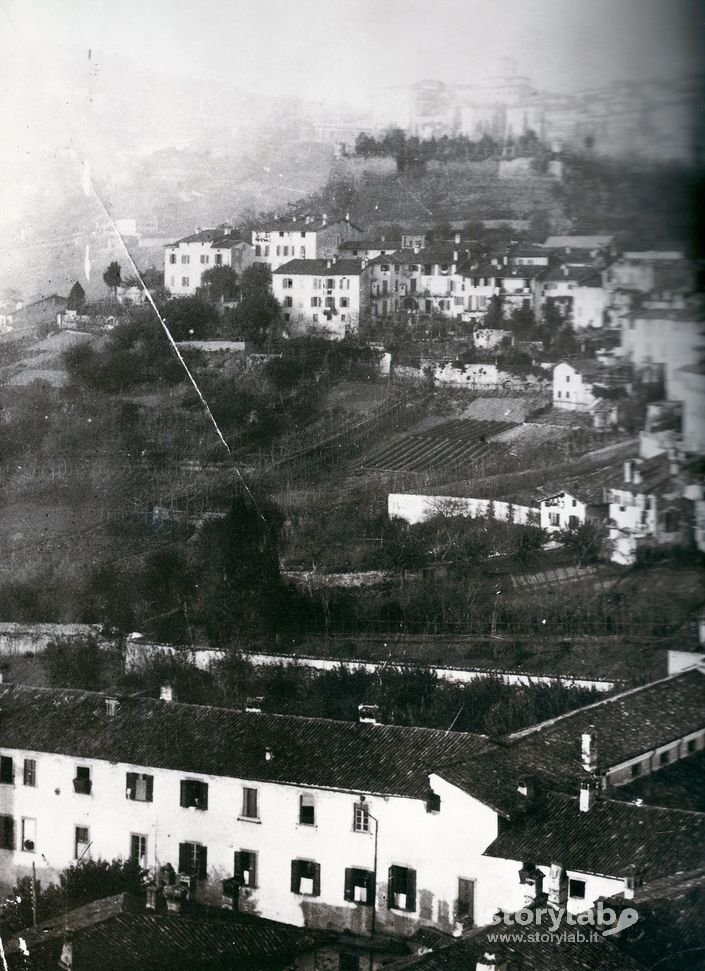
66	959
112	707
529	789
491	961
565	270
588	750
166	693
588	795
368	714
456	239
557	887
328	264
673	462
347	217
268	754
628	470
636	475
631	881
532	878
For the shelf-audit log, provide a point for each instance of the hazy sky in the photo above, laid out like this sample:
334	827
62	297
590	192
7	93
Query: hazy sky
333	49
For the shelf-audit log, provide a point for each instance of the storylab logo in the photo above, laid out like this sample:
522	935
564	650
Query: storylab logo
558	925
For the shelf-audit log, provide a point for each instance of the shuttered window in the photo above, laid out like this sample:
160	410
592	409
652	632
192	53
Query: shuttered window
193	860
402	888
194	793
306	878
139	787
359	886
7	833
245	868
7	770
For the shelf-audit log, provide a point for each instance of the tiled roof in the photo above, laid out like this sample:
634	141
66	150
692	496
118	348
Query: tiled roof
314	752
216	237
109	935
523	952
588	487
654	474
578	242
606	840
388	245
320	268
316	225
626	725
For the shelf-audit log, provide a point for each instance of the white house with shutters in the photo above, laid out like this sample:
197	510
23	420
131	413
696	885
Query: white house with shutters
186	260
309	821
324	296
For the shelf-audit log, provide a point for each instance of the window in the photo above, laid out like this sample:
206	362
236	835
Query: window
287	317
249	803
81	842
576	889
287	283
402	888
573	522
184	281
285	251
636	770
302	252
7	833
330	284
554	518
193	860
315	318
29	834
692	745
306	878
7	770
245	868
30	772
139	787
465	909
307	810
315	301
288	302
361	818
194	794
567	379
279	251
172	257
359	886
82	783
344	302
205	259
258	250
567	394
664	758
560	394
185	260
138	849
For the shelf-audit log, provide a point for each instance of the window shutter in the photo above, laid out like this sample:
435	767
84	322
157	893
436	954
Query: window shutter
130	785
294	876
150	787
411	889
371	888
392	879
253	869
349	884
316	879
204	795
184	793
135	847
202	862
184	856
8	832
238	866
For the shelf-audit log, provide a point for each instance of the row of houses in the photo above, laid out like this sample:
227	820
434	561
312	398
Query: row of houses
351	826
645	503
582	277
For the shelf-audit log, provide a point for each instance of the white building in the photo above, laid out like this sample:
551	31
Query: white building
306	238
186	260
647	508
691	382
321	823
674	339
328	296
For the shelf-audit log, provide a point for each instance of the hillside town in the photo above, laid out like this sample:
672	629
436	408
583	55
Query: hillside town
352	602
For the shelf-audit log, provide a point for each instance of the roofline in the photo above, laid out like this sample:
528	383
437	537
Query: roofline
524	732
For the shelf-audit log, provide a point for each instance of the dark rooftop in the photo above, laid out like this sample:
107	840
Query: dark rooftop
606	840
315	752
331	267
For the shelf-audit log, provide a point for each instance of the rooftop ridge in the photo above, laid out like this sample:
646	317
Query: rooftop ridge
524	732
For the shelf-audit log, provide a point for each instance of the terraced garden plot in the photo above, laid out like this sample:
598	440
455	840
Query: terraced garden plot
454	444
